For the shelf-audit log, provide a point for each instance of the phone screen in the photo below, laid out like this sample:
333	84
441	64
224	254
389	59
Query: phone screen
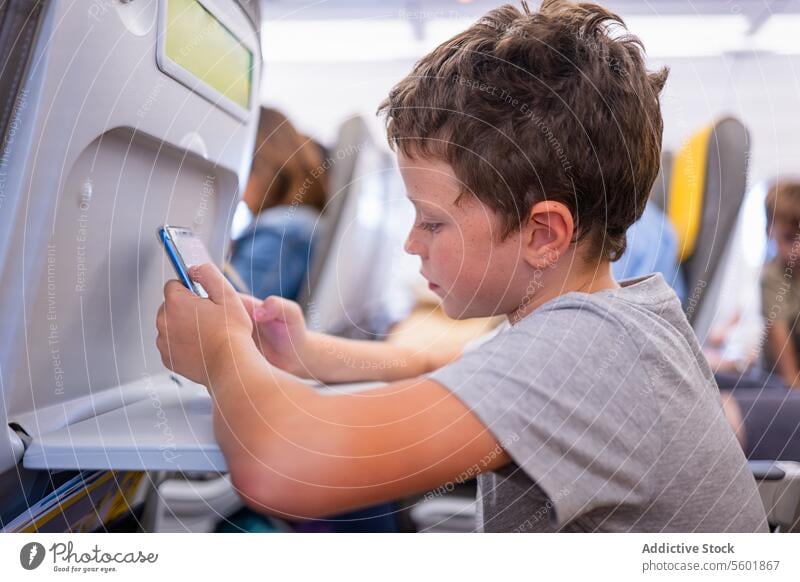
191	251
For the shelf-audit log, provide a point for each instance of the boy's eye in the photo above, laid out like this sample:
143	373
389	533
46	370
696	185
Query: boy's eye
430	226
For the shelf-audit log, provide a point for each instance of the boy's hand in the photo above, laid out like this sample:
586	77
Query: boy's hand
195	335
279	332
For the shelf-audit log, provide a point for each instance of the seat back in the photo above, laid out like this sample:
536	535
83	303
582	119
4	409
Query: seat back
351	285
352	137
707	187
346	287
109	131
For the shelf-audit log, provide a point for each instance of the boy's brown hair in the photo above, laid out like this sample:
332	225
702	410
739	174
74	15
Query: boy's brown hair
783	204
527	106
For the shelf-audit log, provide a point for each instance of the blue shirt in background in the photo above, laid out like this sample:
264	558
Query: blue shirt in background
652	248
273	254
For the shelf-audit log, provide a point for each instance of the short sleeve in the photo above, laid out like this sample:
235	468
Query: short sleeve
564	395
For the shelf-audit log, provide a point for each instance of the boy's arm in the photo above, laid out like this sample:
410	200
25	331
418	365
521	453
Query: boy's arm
333	359
781	344
295	451
281	336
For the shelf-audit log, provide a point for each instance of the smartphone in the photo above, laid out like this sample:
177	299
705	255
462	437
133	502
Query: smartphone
184	249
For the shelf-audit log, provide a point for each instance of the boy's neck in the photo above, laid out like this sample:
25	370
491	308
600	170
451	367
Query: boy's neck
597	278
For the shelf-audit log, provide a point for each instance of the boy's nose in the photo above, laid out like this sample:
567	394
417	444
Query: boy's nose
412	246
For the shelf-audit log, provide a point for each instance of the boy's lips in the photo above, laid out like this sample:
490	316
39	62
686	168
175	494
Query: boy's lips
431	285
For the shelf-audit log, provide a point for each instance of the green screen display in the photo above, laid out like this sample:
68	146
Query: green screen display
202	45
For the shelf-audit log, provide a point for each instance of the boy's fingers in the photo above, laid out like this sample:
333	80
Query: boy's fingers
161	320
250	303
276	308
174	288
213	281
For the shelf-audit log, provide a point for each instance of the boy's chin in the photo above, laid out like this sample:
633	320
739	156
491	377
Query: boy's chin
460	312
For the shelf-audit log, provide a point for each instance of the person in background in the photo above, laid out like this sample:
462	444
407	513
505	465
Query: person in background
780	289
285	194
652	248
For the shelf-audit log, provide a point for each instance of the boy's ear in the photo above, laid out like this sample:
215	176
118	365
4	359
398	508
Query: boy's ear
549	233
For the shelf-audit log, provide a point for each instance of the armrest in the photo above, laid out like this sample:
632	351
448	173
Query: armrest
766	470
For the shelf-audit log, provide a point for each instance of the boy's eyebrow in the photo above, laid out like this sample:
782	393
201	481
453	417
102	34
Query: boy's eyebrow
417	202
422	204
425	205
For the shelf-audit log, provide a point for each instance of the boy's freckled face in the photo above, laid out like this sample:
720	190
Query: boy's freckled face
462	257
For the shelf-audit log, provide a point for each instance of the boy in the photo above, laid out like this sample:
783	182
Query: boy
528	144
780	290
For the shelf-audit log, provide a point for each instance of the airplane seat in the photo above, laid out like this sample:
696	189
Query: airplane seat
117	120
779	487
352	137
190	503
706	189
349	280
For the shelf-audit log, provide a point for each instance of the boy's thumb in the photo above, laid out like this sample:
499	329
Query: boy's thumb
260	314
212	280
275	308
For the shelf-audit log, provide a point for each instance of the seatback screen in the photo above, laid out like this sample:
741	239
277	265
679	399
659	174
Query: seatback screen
207	49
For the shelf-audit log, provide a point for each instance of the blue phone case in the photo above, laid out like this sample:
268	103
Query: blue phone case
175	258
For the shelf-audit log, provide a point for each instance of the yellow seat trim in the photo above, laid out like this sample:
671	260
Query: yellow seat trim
687	187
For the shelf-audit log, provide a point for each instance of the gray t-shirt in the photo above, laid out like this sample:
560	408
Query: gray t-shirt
613	420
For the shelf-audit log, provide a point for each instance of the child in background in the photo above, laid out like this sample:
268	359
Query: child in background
285	194
780	285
